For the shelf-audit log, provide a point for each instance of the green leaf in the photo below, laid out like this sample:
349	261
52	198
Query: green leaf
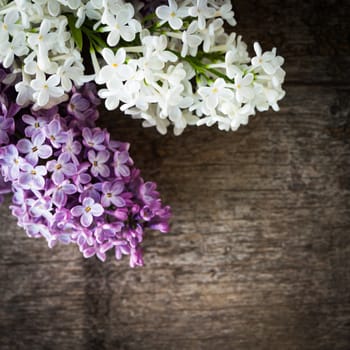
76	32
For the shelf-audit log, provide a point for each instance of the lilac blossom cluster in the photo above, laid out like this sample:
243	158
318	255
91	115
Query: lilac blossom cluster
71	182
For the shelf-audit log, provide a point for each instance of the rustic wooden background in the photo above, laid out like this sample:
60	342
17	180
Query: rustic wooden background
259	252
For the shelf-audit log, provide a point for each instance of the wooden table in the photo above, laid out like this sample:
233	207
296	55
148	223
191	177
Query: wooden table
259	252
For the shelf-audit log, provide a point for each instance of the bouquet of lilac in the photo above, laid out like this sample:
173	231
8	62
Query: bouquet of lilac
71	182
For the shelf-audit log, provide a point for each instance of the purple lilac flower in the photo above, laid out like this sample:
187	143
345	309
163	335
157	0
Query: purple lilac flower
120	166
60	193
92	191
40	207
71	147
34	124
94	139
81	178
61	168
78	105
32	177
6	127
35	148
87	211
111	194
10	162
98	160
74	185
55	134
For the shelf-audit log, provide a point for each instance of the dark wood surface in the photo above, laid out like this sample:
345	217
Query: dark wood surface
259	252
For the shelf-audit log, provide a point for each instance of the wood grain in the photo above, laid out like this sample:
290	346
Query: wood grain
259	252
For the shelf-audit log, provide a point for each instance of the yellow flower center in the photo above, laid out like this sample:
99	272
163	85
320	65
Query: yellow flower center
88	209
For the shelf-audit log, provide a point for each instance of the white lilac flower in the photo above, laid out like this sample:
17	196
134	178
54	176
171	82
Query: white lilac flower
163	72
150	118
122	25
190	40
212	94
71	71
24	92
202	12
243	88
211	33
42	42
112	94
171	103
115	68
46	88
87	10
9	25
231	67
10	49
225	12
155	48
172	14
265	60
54	7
